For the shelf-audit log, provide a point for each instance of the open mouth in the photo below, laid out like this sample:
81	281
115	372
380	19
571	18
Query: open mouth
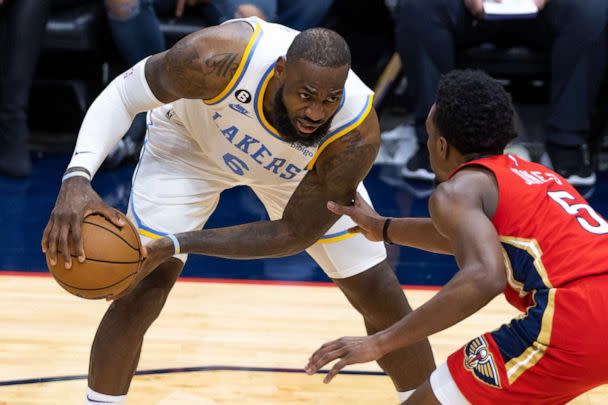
304	127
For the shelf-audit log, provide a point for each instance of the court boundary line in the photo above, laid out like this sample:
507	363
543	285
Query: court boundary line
211	280
176	370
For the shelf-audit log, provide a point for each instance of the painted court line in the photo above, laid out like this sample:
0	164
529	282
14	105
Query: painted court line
159	371
229	281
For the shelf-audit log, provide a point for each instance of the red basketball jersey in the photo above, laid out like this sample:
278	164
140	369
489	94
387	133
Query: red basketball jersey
549	234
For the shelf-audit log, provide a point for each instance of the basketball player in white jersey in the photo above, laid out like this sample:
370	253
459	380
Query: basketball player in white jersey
244	103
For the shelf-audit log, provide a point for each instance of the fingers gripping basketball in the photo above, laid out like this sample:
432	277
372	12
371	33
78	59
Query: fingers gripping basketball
112	259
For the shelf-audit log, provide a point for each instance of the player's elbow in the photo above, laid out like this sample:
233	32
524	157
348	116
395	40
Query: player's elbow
300	244
490	279
296	242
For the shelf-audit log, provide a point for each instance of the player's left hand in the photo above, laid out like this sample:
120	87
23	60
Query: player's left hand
369	222
350	350
153	255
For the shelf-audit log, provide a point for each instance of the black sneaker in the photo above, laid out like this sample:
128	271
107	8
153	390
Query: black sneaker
573	163
419	166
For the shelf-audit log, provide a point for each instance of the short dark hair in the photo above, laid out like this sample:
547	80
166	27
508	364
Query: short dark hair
320	46
474	112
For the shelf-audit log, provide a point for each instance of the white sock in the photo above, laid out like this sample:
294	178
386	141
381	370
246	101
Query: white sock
403	396
95	398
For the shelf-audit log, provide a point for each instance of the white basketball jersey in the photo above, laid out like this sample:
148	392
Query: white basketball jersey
232	130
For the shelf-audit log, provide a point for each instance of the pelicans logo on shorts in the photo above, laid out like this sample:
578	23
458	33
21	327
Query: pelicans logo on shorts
479	361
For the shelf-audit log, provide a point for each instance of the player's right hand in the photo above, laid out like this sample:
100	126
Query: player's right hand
75	201
369	222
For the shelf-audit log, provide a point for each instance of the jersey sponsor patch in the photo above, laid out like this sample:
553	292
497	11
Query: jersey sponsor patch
479	360
243	96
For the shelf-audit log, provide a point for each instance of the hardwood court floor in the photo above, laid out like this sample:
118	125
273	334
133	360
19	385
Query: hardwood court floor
226	338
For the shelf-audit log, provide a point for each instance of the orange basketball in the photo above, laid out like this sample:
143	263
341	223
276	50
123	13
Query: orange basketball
112	260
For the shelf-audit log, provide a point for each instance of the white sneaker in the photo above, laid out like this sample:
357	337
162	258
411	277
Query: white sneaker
405	131
397	145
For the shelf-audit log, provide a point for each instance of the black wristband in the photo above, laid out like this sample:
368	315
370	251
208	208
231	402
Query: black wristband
385	238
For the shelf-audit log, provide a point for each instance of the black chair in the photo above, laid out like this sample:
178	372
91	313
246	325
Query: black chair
512	62
78	59
524	64
70	72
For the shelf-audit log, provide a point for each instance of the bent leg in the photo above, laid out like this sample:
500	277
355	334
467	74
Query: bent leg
118	341
135	29
377	295
423	395
22	28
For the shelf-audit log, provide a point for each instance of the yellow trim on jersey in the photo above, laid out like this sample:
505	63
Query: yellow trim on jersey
337	238
260	105
532	247
149	234
342	132
240	69
518	365
515	284
544	337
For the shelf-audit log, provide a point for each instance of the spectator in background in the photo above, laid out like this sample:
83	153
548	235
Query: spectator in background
22	25
136	32
430	32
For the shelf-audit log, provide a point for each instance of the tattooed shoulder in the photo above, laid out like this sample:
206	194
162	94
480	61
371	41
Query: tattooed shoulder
198	66
350	158
222	65
352	155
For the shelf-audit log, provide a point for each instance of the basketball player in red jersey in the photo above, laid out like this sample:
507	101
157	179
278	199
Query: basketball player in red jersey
514	227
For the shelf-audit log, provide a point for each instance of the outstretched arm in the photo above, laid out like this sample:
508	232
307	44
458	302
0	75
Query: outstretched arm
337	173
457	211
199	66
419	233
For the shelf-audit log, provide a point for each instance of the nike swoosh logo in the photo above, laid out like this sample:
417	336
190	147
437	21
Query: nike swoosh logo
86	151
240	109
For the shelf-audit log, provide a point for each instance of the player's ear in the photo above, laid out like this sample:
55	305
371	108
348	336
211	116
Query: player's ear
279	69
443	148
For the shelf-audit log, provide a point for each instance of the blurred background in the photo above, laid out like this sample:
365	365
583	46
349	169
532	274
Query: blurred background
57	55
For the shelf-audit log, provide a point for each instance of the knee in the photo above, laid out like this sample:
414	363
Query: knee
382	317
379	298
122	9
141	307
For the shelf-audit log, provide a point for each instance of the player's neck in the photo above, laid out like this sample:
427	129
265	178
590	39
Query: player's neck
269	98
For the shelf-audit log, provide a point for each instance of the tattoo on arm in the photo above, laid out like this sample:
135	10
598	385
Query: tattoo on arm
222	65
176	73
337	174
306	217
193	68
